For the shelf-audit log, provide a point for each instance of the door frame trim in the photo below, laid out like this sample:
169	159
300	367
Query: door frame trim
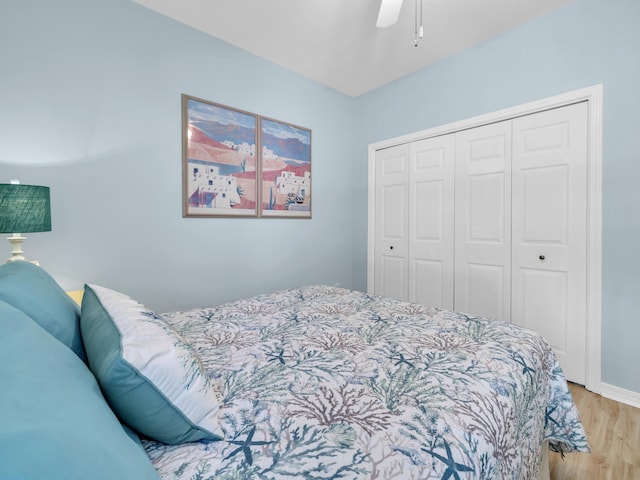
593	95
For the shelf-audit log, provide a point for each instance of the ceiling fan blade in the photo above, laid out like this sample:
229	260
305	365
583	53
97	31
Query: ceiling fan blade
388	14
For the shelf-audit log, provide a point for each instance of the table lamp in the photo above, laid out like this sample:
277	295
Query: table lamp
23	209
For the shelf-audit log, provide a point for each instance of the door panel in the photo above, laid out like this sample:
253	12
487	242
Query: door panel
549	231
545	205
429	221
391	218
394	206
394	282
431	226
485	208
485	289
548	315
428	287
483	221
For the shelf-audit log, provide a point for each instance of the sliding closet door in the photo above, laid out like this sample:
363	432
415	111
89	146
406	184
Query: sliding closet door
431	221
549	231
483	221
391	272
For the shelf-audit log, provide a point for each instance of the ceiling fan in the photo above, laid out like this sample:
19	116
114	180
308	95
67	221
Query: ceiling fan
388	14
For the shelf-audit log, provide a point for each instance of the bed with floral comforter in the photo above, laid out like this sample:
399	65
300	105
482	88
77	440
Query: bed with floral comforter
327	383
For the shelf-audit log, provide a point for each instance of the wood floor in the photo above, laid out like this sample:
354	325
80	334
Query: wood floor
613	431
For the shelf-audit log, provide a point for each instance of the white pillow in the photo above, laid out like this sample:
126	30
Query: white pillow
152	378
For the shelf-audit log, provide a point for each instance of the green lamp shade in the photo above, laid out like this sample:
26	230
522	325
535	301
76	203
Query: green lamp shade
24	208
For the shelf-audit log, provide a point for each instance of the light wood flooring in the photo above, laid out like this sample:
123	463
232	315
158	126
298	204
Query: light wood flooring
613	432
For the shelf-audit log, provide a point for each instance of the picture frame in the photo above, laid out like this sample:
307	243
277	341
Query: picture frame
285	173
220	161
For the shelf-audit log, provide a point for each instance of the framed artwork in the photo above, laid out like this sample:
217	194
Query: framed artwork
285	169
219	160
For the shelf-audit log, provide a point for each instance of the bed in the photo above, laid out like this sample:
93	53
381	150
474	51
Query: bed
315	382
322	382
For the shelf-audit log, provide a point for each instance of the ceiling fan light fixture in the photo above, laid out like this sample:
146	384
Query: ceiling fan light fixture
388	14
419	27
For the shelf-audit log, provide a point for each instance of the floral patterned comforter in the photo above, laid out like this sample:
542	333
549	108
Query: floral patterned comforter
327	383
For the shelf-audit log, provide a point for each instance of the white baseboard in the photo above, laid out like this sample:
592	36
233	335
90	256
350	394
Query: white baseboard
620	395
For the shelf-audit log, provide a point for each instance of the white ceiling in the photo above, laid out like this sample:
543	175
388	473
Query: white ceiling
336	42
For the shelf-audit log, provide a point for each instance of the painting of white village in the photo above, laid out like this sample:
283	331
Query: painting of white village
220	174
221	164
286	169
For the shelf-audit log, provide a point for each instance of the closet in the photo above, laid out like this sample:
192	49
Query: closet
491	221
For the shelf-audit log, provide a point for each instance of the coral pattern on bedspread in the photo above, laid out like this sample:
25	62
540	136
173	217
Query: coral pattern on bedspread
327	383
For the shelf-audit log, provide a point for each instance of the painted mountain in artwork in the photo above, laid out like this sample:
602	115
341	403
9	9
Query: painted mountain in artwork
287	147
198	136
225	132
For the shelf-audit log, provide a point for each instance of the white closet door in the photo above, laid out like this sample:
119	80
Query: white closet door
549	231
391	219
431	221
483	221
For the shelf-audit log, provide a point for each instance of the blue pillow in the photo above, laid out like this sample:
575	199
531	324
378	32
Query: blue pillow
30	289
152	378
55	422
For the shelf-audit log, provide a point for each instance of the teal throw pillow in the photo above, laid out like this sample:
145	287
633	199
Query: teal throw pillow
54	422
32	290
152	378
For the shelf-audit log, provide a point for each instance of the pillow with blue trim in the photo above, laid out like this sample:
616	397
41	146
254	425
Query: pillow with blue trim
152	378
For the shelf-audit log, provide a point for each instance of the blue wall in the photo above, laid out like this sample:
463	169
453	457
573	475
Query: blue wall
90	105
586	43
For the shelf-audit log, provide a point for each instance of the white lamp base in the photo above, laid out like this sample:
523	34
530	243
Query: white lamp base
16	247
